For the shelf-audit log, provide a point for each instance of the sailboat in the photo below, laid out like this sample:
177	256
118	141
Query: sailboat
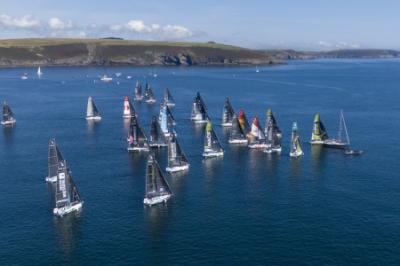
67	196
92	113
212	146
166	121
138	92
227	114
273	134
137	140
157	137
243	122
236	135
199	110
168	99
129	110
24	76
177	160
54	157
106	78
256	136
149	95
8	115
342	142
39	72
157	188
295	144
319	134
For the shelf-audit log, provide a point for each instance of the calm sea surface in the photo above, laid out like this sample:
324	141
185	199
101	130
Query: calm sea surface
248	208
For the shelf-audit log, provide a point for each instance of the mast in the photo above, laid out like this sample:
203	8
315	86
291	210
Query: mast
342	126
156	185
54	156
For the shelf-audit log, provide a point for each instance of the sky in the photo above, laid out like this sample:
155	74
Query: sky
294	24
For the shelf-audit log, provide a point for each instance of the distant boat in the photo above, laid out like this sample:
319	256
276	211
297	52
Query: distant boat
257	70
92	113
138	92
319	134
295	144
236	135
118	74
199	110
129	110
273	134
256	136
39	72
106	78
342	142
177	160
157	188
67	196
137	140
128	77
157	137
8	115
166	120
168	99
212	146
54	157
149	95
24	76
243	122
227	114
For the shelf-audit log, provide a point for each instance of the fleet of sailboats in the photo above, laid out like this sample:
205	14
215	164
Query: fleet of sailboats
92	113
8	115
137	140
177	160
212	145
227	114
295	144
157	188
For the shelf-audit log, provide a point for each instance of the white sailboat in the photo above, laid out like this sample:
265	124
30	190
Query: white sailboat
149	95
166	120
106	78
24	76
295	144
92	113
342	142
199	110
67	196
157	188
39	72
256	136
54	157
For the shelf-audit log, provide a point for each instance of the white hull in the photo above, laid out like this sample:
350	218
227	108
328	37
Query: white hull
171	104
150	101
213	154
139	149
138	99
258	146
237	141
273	150
177	168
316	142
9	122
94	118
105	79
156	200
226	124
68	209
24	77
296	154
199	121
51	179
127	115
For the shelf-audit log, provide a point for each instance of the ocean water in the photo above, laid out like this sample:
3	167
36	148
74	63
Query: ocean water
248	208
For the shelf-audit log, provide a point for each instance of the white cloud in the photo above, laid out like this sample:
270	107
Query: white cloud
337	45
58	24
176	32
25	22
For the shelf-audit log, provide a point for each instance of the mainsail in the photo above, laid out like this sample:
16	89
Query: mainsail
295	144
243	122
272	132
54	157
166	121
149	95
168	99
256	136
227	113
138	91
8	115
176	157
212	146
157	137
92	110
156	185
129	110
199	110
319	134
137	140
236	135
66	192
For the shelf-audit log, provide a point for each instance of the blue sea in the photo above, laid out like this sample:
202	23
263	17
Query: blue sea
249	208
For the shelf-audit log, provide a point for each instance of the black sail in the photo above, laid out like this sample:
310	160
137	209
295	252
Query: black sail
54	157
156	134
156	185
7	112
176	157
137	138
236	130
228	112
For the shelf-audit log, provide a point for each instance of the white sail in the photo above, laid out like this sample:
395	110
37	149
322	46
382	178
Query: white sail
39	72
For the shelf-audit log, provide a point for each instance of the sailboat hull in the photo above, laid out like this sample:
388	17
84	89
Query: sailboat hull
199	121
169	104
213	154
273	150
138	98
258	146
93	118
335	144
238	141
138	149
229	124
316	142
150	101
51	179
9	122
158	145
156	200
296	154
175	169
68	209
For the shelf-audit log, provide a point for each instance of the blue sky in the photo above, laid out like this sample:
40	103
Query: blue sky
307	24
